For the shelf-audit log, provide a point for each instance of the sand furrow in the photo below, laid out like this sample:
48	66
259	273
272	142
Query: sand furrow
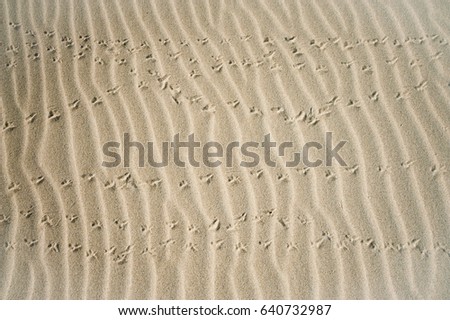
16	149
116	181
347	279
278	236
237	180
8	226
57	237
387	232
423	191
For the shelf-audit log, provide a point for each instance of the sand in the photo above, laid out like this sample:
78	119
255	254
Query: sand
77	74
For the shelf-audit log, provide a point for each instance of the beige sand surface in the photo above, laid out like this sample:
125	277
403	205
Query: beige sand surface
77	74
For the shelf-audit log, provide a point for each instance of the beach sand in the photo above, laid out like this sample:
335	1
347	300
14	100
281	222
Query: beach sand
78	74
